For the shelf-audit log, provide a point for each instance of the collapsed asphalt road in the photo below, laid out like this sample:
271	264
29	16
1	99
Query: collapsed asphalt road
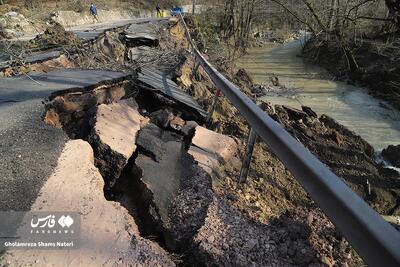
85	33
29	148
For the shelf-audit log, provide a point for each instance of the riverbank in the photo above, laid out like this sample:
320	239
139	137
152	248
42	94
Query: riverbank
304	83
377	60
331	142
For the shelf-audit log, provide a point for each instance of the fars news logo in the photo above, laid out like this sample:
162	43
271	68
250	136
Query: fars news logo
52	224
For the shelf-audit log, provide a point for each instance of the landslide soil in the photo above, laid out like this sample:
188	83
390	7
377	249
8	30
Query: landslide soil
55	35
271	195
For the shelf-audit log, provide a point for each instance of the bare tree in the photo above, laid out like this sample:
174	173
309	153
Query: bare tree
394	10
236	22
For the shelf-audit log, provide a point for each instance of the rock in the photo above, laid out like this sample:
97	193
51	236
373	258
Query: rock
309	111
392	154
275	80
162	117
166	118
13	14
243	79
114	136
259	90
295	114
177	123
209	148
110	45
9	33
267	107
135	53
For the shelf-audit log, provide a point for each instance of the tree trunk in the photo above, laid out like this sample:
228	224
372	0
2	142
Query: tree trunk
394	10
315	15
332	12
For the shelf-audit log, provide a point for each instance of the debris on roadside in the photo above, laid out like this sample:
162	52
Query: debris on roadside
55	35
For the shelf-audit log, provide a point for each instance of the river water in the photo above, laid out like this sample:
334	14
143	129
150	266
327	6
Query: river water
375	121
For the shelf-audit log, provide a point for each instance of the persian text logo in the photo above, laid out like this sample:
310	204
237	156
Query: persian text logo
48	221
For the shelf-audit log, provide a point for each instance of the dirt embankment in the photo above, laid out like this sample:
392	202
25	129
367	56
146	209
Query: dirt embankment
378	65
271	195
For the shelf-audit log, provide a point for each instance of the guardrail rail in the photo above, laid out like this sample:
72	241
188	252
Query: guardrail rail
377	242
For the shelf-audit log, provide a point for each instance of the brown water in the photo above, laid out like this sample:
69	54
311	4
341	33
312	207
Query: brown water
375	121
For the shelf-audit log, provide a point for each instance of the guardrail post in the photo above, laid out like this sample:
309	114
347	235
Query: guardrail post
247	157
213	106
195	72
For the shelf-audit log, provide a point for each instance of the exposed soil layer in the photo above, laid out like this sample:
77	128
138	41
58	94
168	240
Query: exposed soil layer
72	110
349	156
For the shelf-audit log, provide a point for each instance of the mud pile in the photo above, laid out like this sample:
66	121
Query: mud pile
55	35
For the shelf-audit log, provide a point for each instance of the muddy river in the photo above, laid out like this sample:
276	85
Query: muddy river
375	121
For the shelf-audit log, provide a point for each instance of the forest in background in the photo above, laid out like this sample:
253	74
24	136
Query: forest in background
340	22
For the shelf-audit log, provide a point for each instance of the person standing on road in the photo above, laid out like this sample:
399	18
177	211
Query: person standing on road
159	14
93	12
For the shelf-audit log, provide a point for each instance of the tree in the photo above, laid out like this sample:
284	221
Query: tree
236	23
394	10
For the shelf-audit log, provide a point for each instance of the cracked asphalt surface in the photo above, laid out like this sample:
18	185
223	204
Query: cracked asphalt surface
29	152
29	149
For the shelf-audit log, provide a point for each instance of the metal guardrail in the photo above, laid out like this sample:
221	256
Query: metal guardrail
377	242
